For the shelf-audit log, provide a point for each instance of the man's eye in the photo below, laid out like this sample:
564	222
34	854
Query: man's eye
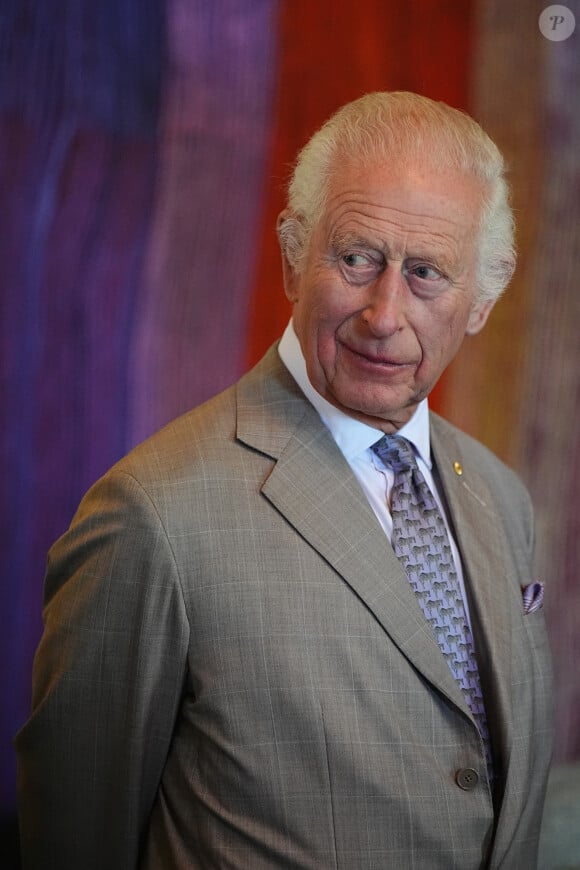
359	268
425	272
354	261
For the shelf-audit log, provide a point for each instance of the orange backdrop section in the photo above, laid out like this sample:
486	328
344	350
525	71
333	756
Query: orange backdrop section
328	57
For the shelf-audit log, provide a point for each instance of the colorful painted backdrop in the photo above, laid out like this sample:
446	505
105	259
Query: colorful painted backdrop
144	147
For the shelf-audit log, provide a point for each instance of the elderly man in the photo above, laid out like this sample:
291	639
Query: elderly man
299	627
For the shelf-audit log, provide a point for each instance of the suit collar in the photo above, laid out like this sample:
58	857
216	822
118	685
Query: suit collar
312	485
270	406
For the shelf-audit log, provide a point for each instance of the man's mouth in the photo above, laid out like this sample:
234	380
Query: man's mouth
373	359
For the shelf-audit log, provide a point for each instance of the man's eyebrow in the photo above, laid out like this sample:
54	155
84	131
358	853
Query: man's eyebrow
438	257
343	240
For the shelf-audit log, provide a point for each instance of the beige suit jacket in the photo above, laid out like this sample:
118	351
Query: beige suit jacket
235	672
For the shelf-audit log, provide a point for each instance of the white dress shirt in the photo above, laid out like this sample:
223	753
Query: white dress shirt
354	439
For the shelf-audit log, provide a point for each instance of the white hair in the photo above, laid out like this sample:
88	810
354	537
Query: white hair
409	127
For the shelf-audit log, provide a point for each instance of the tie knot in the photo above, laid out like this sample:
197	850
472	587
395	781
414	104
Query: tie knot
396	452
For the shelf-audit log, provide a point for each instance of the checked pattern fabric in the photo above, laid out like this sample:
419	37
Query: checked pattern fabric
421	544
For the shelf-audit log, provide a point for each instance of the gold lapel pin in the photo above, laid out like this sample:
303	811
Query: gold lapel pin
458	468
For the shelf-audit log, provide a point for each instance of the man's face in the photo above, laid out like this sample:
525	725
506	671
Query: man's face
387	292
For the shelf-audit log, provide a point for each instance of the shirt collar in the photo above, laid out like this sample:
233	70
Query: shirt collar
352	436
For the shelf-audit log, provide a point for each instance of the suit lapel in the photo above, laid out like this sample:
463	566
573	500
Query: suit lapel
485	556
312	485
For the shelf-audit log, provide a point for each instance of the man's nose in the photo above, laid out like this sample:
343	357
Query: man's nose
384	313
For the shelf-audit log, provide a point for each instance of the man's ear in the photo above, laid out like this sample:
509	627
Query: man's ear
289	274
480	311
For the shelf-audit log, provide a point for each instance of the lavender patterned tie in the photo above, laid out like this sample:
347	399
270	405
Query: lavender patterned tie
421	543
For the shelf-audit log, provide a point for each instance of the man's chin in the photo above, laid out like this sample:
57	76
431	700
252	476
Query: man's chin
374	410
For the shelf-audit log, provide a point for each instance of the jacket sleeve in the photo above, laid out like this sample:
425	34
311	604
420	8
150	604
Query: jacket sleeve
109	676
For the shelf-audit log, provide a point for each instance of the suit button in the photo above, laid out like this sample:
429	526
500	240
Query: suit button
467	778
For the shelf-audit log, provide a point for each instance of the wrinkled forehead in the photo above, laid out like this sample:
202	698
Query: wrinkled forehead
424	170
408	191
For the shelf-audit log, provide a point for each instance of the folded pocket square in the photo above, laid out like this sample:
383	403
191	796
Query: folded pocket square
533	597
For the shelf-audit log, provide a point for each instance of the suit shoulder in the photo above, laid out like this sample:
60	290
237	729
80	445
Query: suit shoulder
172	451
469	445
473	454
203	437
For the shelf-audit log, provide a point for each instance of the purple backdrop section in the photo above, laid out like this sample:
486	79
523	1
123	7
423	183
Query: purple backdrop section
97	63
192	323
67	307
133	139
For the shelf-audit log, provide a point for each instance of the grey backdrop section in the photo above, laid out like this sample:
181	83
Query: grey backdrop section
516	386
551	406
